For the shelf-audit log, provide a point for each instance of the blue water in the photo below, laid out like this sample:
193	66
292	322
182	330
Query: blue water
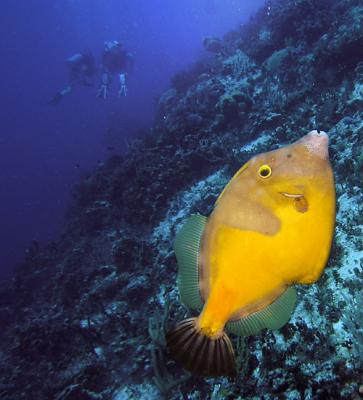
44	149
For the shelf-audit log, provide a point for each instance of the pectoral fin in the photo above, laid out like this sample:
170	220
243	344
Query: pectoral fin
299	201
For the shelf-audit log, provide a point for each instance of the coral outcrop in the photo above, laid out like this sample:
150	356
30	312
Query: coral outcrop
84	317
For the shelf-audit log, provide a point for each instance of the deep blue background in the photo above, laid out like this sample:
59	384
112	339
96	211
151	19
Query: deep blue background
40	145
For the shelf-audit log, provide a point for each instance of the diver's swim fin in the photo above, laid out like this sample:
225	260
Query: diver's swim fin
199	353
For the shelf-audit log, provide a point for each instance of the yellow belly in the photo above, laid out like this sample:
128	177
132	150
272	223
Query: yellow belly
247	270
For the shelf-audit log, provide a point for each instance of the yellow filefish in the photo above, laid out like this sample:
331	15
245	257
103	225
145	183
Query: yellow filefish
271	228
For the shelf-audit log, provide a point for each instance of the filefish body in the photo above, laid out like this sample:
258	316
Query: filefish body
271	228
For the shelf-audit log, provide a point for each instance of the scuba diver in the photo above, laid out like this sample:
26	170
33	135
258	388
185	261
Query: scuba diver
82	71
115	61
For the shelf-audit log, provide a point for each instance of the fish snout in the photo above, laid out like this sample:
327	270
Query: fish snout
317	142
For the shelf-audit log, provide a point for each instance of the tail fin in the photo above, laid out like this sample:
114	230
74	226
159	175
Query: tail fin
199	353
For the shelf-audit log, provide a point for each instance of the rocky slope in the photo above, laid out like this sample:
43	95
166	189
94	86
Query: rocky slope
85	317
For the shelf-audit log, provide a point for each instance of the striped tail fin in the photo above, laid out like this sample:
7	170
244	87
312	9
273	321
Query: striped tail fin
201	354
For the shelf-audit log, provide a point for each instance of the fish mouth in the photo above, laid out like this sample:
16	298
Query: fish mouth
292	195
317	143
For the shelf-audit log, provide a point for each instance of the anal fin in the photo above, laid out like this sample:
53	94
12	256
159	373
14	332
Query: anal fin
274	316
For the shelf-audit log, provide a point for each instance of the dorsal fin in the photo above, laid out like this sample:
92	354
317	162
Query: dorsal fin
239	172
186	247
274	316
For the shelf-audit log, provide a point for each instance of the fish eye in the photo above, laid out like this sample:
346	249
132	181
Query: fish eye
265	171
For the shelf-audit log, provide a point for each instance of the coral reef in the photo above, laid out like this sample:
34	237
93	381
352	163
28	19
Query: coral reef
75	319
